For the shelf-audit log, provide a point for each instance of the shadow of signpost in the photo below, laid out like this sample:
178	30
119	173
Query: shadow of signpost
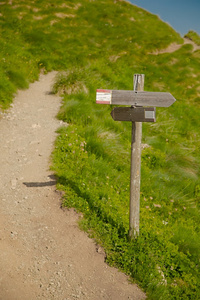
41	184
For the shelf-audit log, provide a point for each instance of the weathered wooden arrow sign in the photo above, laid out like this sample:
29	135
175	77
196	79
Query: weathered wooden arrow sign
134	114
134	98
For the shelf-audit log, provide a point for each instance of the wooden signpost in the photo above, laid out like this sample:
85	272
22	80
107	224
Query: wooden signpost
142	110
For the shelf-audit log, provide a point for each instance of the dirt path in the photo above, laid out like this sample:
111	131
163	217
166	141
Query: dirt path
43	254
174	47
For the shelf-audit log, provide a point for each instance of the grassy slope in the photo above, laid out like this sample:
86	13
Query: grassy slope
99	44
193	36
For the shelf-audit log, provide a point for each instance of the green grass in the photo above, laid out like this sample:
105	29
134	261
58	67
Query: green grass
99	44
192	35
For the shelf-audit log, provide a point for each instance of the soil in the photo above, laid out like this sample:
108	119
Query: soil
43	253
174	47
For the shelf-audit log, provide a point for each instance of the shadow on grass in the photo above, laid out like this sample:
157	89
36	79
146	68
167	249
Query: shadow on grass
94	206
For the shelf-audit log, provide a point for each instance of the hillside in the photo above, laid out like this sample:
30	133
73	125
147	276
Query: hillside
43	252
102	44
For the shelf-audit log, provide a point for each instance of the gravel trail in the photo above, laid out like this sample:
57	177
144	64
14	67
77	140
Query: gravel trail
43	253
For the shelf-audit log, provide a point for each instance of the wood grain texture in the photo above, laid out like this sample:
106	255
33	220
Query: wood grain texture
136	137
140	98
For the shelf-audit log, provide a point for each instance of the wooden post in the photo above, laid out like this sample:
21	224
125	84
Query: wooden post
134	210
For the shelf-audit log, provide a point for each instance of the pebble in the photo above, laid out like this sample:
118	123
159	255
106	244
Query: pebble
35	126
13	184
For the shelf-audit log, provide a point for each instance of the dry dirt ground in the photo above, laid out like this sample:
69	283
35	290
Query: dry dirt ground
43	254
174	47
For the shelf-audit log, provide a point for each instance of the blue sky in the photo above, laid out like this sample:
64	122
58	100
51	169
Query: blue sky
182	15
